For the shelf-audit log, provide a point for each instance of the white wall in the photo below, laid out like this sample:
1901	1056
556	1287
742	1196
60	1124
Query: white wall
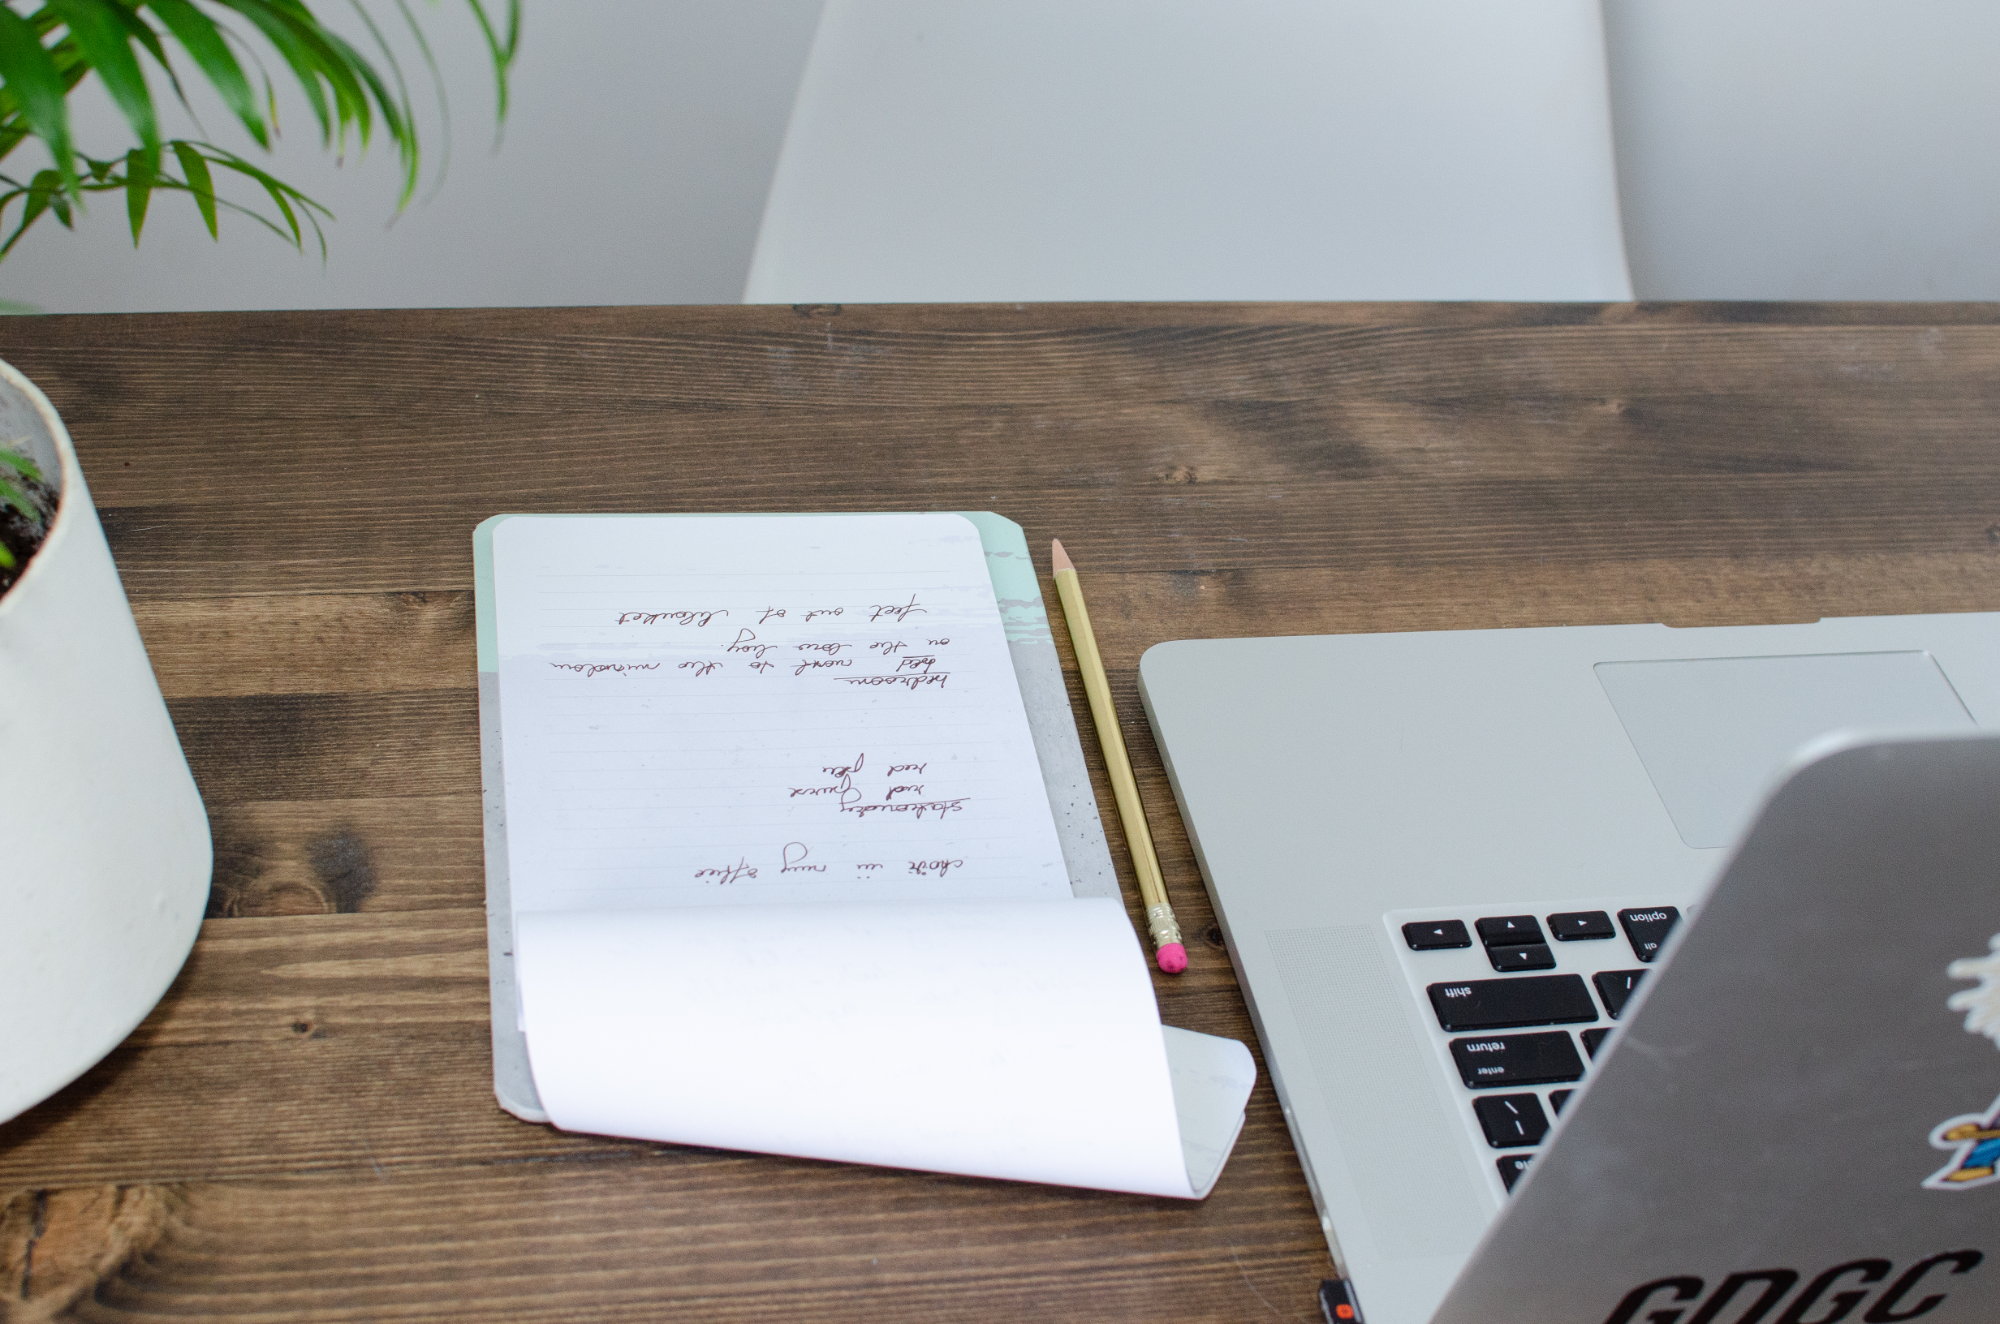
633	171
1808	149
1766	149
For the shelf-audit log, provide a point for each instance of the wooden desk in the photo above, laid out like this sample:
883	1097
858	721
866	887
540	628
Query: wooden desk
305	1129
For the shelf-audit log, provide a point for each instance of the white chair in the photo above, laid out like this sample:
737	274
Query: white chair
1808	149
964	150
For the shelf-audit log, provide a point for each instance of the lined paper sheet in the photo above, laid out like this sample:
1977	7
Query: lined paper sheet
991	1038
705	710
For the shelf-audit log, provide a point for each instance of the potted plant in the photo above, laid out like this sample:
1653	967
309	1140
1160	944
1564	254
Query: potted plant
104	845
105	841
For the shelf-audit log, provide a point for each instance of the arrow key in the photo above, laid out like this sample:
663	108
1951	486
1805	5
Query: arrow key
1432	935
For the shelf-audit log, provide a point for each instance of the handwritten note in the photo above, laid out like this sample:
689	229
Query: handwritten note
712	710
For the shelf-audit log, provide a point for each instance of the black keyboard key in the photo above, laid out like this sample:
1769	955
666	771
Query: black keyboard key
1511	1120
1580	925
1435	934
1594	1040
1506	1004
1509	930
1517	1059
1616	987
1557	1098
1532	956
1512	1166
1646	930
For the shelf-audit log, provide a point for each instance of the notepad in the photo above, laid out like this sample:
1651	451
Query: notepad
725	710
780	865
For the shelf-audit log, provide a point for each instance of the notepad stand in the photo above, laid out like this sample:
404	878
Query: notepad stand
1050	719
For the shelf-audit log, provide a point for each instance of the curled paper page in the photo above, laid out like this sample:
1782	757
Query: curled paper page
995	1038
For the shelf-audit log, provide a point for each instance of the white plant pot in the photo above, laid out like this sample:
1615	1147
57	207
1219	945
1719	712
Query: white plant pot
104	848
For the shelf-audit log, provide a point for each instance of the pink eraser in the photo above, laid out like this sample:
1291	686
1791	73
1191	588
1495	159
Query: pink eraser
1172	958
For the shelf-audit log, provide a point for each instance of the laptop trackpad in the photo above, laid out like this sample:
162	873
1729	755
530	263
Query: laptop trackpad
1714	732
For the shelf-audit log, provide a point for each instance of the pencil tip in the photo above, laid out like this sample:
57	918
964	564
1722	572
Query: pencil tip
1059	556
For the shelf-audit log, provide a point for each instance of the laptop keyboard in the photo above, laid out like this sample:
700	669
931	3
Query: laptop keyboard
1518	1002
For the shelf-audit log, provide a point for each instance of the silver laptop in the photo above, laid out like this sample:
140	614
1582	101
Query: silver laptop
1451	868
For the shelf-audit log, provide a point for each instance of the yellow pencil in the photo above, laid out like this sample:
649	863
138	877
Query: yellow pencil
1152	888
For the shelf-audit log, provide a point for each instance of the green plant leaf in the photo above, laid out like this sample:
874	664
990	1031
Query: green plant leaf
199	182
283	195
437	81
279	34
502	52
406	141
35	86
142	32
350	103
142	167
395	117
46	52
36	196
102	37
49	184
204	42
12	494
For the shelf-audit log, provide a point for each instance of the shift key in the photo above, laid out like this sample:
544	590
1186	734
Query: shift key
1503	1004
1516	1059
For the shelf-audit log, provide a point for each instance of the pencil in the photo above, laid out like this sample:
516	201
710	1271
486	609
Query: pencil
1171	955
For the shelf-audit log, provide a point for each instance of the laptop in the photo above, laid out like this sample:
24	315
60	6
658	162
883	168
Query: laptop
1452	870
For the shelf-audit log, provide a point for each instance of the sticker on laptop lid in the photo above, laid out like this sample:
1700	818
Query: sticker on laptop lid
1974	1137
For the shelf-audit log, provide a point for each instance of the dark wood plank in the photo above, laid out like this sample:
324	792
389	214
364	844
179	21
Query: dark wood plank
337	746
1212	445
332	856
643	1236
309	643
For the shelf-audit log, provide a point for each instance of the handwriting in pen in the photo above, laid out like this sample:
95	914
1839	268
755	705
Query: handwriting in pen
916	808
694	618
592	668
794	855
843	785
812	614
746	642
911	681
728	873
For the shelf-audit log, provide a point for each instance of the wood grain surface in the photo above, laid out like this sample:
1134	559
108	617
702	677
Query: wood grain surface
305	1128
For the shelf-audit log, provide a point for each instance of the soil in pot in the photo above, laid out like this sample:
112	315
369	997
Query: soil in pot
21	532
